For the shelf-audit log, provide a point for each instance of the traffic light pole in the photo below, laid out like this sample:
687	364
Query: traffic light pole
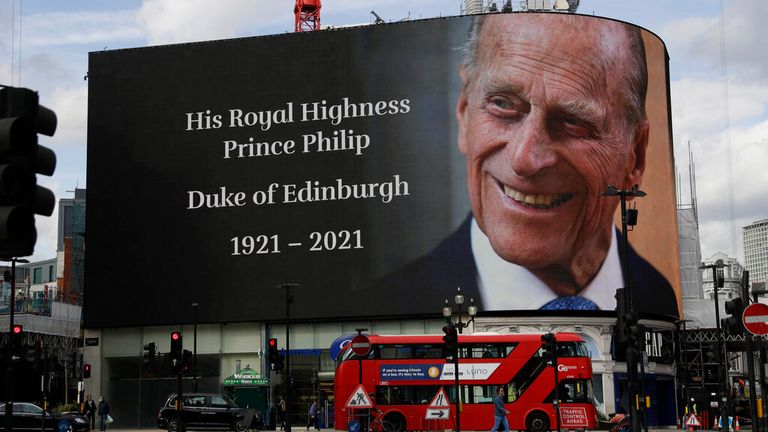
456	382
289	379
557	388
9	383
194	348
722	352
180	400
632	350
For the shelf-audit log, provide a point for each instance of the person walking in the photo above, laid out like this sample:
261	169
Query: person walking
281	413
499	412
90	411
313	416
103	410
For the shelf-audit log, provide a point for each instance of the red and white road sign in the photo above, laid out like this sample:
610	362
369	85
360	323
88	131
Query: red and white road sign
440	400
573	417
439	408
693	421
361	345
755	319
359	399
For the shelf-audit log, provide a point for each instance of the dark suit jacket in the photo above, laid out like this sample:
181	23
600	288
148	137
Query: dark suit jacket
423	284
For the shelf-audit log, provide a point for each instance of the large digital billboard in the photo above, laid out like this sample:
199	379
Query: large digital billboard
379	168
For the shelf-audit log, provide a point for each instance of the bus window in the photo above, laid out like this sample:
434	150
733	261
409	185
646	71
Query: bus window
412	395
482	394
576	391
487	350
572	349
525	377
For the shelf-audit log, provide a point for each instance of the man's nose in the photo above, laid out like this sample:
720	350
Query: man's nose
530	146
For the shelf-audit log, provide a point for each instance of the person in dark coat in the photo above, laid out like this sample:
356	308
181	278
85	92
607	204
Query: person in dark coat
90	410
103	410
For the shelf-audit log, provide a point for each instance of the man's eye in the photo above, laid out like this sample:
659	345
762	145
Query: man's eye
501	106
576	128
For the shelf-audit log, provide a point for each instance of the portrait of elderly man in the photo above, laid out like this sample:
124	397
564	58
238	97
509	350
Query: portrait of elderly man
551	111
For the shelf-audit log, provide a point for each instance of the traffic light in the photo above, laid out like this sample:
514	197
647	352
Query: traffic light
273	355
451	339
21	159
86	370
733	324
149	355
17	333
176	351
627	328
549	347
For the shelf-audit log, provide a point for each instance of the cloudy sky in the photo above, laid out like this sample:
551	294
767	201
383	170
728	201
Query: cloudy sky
718	67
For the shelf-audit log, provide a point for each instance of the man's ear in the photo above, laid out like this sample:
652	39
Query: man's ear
461	111
637	156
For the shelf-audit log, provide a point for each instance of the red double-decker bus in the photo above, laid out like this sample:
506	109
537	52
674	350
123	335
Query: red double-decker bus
402	375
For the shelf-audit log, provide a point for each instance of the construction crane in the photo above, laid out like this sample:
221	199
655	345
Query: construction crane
307	15
378	18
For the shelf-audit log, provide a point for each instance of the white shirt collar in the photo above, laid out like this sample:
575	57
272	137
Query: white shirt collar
507	286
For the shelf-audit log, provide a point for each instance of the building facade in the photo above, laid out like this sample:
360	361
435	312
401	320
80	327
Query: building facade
755	238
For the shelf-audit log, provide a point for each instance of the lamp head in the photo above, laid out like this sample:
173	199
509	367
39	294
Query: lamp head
472	309
459	297
447	311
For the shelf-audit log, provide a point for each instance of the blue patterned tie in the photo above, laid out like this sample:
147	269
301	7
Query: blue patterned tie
570	303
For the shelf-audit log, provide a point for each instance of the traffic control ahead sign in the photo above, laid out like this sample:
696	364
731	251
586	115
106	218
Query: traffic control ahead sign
755	319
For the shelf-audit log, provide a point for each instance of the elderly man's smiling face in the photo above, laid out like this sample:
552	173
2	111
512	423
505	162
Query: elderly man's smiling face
542	125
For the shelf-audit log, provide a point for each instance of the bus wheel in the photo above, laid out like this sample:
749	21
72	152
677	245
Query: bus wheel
537	422
394	423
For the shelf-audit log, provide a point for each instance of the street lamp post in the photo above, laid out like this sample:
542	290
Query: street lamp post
194	347
460	325
628	217
721	371
289	379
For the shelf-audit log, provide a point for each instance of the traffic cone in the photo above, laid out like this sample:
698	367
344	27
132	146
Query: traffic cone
738	428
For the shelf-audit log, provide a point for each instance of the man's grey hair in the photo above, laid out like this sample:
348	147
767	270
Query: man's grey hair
635	74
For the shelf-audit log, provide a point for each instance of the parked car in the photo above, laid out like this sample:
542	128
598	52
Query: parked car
29	417
204	410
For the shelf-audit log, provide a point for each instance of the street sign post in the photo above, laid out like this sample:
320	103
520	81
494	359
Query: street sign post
361	345
755	319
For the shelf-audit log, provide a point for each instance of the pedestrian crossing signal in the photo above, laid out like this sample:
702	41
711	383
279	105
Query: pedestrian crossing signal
273	355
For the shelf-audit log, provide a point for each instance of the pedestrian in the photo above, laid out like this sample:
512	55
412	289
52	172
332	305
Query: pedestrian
103	413
499	412
281	413
313	420
90	410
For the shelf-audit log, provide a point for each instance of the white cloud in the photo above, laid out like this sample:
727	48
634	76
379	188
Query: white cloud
171	21
71	108
697	40
80	28
47	226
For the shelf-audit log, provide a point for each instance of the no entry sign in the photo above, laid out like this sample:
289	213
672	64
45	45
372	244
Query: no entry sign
361	345
755	319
